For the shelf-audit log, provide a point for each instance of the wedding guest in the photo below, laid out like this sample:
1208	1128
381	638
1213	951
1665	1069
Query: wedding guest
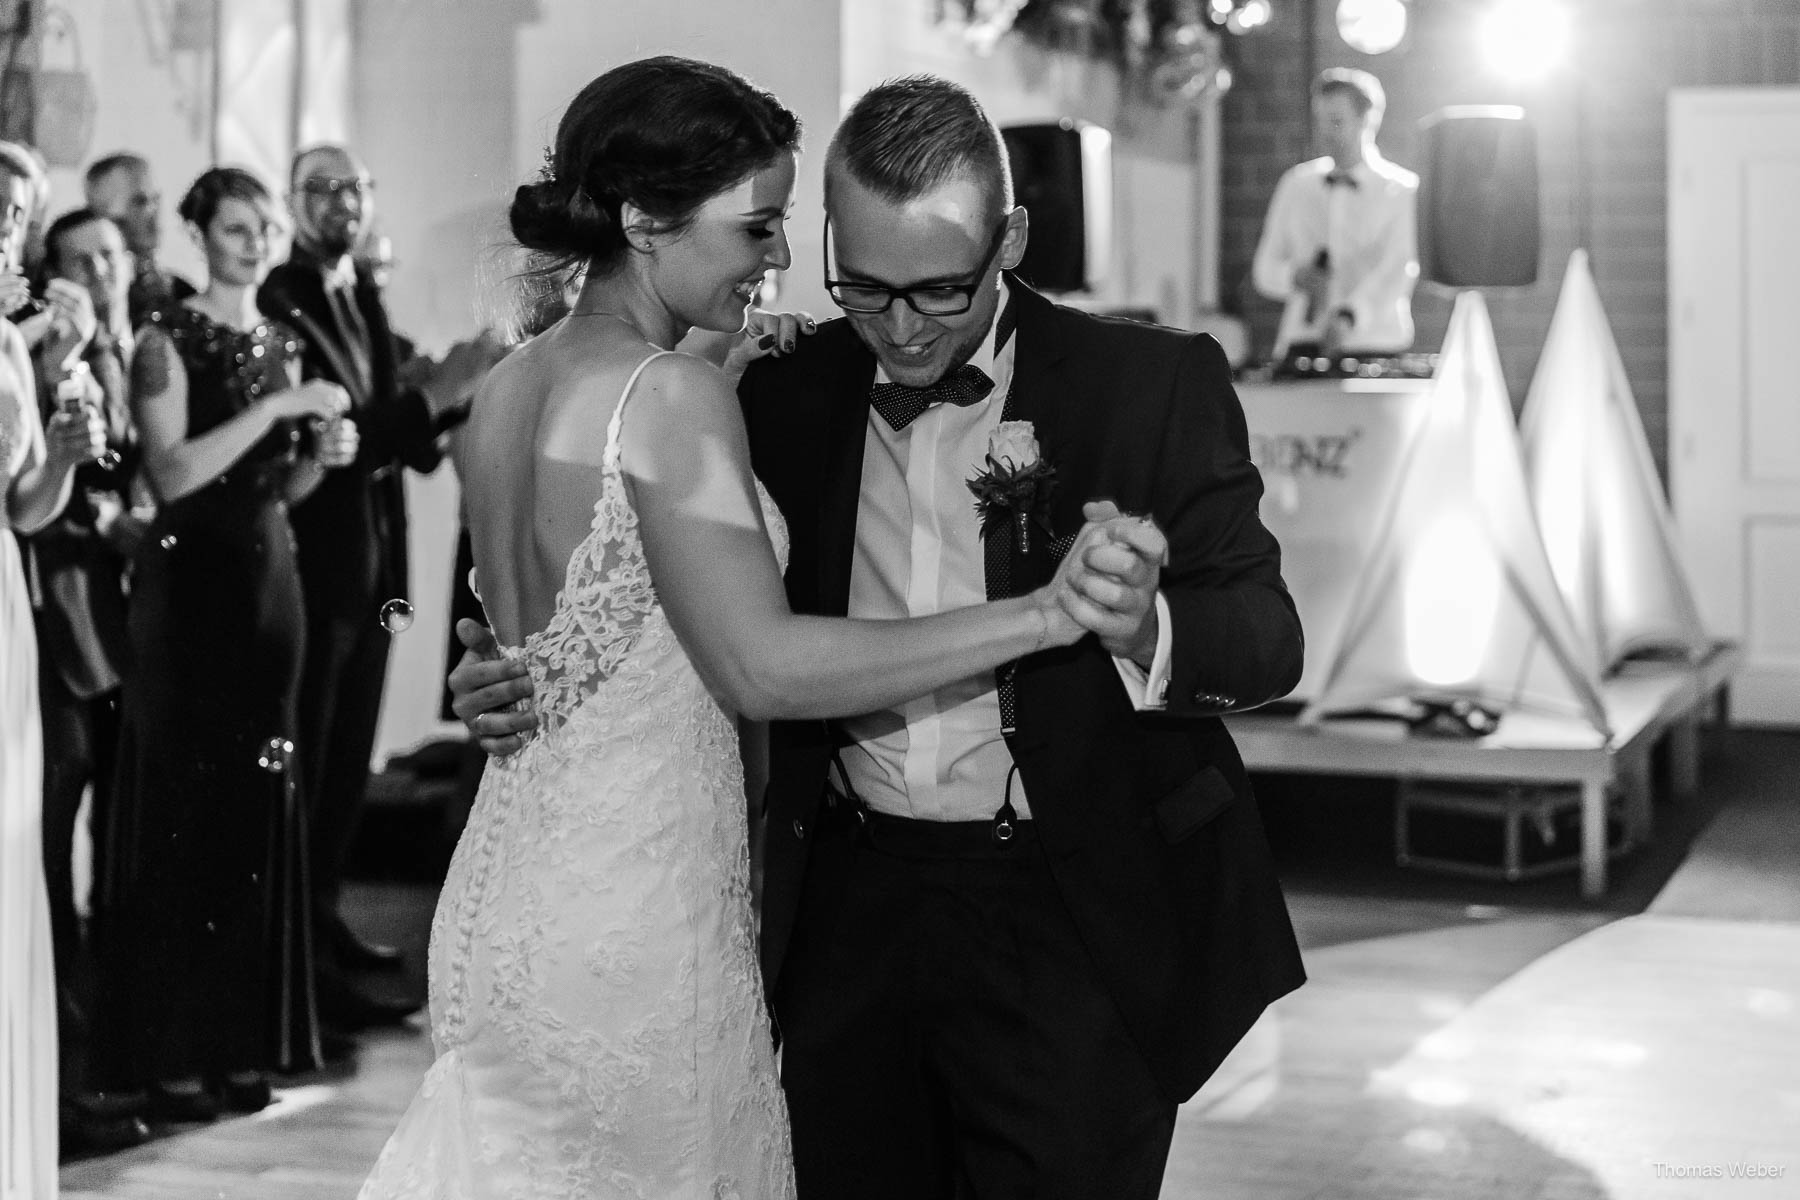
37	465
205	946
352	530
78	568
62	306
123	187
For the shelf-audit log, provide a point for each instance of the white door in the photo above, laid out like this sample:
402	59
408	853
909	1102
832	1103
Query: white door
1734	377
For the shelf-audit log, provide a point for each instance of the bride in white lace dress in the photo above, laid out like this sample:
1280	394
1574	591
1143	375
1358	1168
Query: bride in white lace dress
596	1005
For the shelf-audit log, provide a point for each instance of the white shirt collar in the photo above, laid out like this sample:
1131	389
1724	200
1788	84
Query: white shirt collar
341	274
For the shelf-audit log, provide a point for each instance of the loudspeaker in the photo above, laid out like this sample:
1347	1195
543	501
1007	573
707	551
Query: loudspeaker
1062	174
1478	197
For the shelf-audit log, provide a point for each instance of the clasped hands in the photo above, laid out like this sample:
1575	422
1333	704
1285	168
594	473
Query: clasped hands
1106	584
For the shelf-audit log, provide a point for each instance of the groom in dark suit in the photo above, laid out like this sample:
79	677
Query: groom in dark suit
1007	927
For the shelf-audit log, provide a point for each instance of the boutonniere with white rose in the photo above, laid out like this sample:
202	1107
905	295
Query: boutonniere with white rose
1014	490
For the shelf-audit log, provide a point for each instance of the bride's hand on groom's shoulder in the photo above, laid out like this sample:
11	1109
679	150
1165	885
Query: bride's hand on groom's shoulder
766	333
485	685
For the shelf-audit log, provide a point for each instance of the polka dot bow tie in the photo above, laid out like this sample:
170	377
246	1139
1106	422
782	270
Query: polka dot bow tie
900	405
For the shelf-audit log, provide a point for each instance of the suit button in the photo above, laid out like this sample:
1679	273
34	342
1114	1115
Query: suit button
799	828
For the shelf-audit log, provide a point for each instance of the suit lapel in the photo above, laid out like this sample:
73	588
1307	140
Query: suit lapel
1032	397
846	422
309	313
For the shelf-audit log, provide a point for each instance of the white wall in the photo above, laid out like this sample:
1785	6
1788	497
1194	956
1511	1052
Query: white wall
152	101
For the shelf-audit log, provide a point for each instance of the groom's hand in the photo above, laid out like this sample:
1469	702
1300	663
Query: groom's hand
1113	594
485	685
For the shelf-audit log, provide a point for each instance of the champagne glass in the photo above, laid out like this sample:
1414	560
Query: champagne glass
72	397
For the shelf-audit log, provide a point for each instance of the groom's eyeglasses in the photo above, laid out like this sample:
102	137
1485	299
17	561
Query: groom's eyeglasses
929	300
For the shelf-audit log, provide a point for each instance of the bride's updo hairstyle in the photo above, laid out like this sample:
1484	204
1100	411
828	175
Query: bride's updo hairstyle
666	134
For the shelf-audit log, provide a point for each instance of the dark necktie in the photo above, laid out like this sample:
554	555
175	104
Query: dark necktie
354	330
1340	177
900	405
107	362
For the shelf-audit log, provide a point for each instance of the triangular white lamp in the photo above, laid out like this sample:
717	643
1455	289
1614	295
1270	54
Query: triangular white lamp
1595	490
1458	601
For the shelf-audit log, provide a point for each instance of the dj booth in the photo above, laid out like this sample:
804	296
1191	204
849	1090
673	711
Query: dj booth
1331	448
1330	452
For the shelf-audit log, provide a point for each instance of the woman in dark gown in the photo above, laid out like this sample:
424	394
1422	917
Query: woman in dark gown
206	954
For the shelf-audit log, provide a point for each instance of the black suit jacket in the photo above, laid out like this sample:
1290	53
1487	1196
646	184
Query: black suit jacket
351	530
1147	819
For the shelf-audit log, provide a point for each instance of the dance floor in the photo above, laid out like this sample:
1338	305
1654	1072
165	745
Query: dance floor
1412	1066
1535	1048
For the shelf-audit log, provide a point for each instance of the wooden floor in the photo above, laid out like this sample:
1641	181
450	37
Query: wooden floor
1542	1050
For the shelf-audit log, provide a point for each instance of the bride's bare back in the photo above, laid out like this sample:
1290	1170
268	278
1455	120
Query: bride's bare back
531	457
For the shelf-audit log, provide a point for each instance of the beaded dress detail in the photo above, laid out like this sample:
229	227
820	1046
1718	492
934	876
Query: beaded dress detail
596	1001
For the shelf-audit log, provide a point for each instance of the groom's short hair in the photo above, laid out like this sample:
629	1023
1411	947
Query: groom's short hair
906	136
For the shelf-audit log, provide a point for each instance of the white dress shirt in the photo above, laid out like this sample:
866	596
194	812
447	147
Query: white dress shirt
941	757
1370	231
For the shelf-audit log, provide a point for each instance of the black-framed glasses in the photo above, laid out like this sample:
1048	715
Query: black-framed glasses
321	185
929	300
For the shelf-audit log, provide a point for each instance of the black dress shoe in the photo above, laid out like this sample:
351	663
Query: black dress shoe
183	1101
352	952
350	1008
106	1134
101	1122
336	1046
244	1092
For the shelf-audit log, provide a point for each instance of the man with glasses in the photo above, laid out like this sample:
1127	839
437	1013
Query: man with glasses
1008	926
122	187
351	531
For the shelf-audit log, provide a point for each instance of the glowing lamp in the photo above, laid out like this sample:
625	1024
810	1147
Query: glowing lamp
1371	26
1524	39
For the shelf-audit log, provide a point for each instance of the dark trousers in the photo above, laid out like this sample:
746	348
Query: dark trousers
944	1032
340	704
81	745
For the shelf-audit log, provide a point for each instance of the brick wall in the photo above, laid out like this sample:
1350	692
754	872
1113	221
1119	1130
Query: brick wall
1601	124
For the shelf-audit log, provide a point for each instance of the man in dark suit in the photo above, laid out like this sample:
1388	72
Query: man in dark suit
1007	927
77	571
351	531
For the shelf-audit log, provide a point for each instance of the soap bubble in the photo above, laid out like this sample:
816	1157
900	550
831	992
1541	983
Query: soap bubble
396	616
274	755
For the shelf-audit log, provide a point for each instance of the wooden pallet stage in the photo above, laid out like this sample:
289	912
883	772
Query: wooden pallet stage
1644	701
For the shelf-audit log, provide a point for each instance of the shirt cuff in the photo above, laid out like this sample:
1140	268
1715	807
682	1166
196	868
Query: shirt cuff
1149	690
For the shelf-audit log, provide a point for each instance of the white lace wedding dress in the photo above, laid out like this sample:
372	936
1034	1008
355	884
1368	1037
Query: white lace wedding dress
596	1004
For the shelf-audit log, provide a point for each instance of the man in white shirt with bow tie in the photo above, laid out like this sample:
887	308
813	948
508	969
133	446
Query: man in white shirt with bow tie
1340	243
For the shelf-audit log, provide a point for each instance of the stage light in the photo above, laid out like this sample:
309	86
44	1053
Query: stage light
1451	599
1371	26
1251	14
1524	39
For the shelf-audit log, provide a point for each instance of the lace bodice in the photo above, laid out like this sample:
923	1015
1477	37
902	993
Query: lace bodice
596	998
607	597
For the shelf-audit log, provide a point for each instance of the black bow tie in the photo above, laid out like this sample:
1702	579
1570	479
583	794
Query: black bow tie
1344	177
900	405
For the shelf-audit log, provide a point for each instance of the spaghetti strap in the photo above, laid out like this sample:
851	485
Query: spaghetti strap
611	454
